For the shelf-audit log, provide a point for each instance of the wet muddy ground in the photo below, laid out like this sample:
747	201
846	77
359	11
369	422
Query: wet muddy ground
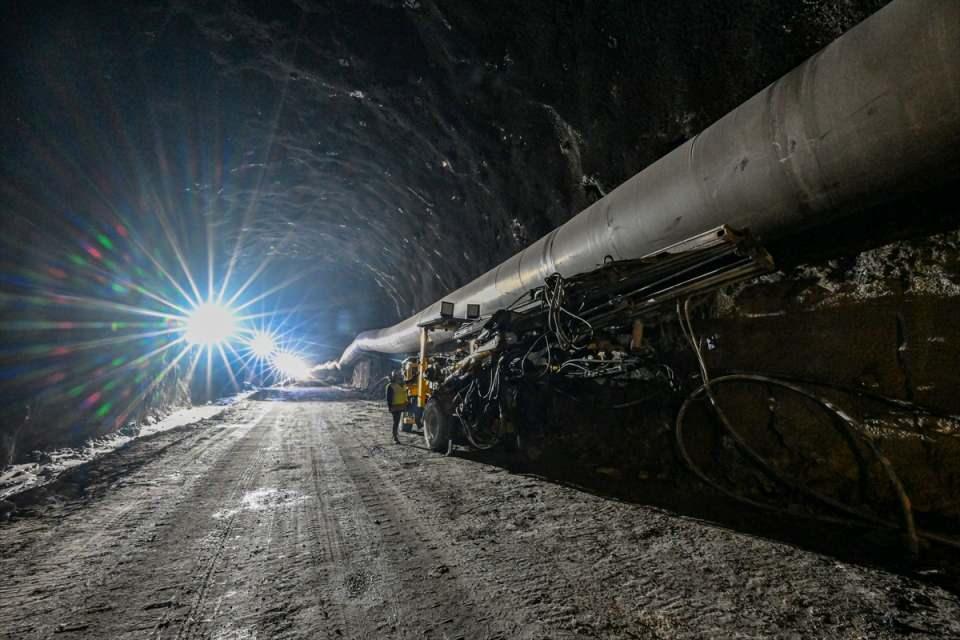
297	517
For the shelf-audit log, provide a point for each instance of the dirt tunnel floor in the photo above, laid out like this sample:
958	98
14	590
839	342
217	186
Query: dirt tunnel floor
301	519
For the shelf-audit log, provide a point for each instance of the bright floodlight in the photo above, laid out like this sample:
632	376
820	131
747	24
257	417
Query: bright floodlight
290	365
262	345
210	324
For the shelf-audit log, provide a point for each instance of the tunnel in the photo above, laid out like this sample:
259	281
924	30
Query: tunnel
490	319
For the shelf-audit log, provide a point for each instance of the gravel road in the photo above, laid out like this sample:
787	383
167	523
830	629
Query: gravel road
297	517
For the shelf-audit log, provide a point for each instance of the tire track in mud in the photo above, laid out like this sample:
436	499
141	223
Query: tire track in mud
551	584
567	564
213	547
357	578
147	598
418	590
520	588
74	560
308	523
327	553
276	573
259	570
280	558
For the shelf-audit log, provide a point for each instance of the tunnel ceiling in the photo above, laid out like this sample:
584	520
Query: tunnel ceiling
377	153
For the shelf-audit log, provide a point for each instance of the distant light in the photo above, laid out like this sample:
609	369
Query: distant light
210	324
290	365
262	344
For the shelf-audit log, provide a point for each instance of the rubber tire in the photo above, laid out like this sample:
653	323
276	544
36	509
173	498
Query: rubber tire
436	426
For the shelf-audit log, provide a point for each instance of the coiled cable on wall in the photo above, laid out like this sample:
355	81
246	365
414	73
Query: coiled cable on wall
851	427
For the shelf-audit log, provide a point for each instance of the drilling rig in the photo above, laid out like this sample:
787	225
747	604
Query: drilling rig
871	118
586	328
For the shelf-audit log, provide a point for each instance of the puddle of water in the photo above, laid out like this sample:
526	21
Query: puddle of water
263	499
230	632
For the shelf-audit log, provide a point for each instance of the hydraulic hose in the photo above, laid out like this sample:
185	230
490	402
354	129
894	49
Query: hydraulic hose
911	533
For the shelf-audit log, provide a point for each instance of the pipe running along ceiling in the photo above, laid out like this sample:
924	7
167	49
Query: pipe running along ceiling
873	115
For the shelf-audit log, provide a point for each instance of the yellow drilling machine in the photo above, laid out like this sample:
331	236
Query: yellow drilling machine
583	330
422	374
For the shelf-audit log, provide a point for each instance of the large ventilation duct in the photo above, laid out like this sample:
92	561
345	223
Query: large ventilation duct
874	115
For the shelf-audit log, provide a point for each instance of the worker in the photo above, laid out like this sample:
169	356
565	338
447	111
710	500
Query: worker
396	401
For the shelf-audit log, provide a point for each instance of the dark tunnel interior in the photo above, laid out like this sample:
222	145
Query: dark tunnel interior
378	154
327	168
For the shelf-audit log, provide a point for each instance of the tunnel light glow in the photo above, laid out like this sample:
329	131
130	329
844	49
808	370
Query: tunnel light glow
290	365
262	344
210	324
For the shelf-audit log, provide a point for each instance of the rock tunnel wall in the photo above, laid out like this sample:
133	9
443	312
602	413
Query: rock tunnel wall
880	322
399	149
37	425
68	375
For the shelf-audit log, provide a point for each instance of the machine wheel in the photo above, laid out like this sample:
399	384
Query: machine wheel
436	426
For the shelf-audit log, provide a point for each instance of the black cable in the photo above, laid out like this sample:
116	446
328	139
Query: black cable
853	429
906	405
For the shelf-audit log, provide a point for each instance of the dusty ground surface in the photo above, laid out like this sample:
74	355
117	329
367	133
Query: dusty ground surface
50	465
296	517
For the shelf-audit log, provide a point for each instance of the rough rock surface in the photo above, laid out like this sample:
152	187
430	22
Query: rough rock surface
415	143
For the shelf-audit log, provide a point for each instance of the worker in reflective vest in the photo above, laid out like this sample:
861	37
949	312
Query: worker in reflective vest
396	401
